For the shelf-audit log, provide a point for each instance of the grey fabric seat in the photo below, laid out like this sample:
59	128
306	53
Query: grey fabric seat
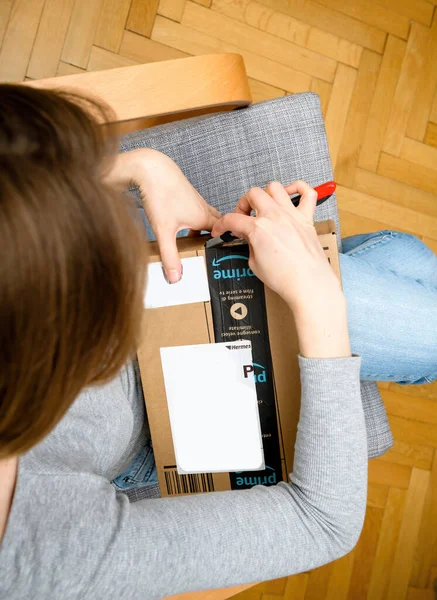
226	154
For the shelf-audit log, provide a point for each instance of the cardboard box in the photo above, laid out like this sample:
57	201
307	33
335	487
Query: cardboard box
278	381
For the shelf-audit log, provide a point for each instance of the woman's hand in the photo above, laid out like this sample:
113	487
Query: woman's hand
286	255
170	201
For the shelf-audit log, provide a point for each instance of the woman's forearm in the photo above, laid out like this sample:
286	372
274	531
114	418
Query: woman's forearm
322	328
221	539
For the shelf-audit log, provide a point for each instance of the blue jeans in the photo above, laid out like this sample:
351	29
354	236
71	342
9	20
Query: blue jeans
142	471
390	283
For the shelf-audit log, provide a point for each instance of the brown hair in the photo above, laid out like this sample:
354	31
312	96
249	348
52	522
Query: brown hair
72	260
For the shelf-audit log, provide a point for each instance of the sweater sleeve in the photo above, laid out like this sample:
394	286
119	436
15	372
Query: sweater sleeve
159	547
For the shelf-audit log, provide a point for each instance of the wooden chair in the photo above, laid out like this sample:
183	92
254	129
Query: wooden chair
151	94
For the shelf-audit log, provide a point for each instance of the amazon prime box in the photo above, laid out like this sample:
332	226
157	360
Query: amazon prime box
237	307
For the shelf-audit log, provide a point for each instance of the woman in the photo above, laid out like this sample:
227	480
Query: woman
72	277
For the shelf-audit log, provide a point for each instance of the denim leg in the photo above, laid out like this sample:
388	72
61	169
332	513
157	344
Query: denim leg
394	251
140	473
390	283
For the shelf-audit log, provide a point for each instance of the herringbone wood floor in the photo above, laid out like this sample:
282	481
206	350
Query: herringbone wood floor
374	65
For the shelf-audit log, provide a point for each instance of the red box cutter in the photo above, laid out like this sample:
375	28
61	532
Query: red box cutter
324	192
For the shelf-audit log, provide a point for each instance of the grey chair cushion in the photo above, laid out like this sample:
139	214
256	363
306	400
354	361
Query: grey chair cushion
225	154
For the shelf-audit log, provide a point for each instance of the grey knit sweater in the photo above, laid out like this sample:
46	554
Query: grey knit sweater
70	535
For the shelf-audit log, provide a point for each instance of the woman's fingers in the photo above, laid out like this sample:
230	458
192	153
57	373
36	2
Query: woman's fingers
168	250
308	201
240	225
214	212
255	199
279	194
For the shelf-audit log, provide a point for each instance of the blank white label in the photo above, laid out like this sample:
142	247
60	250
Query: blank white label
213	407
193	287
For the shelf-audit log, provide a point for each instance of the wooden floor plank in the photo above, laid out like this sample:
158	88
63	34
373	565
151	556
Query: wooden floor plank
338	108
101	60
381	103
406	172
413	455
352	224
19	38
290	29
266	19
428	390
402	562
419	594
409	79
262	91
413	432
373	14
258	67
365	555
357	117
425	90
421	409
250	594
5	12
384	473
387	544
427	539
432	575
419	10
399	217
258	42
274	586
433	115
418	153
434	2
142	16
377	495
313	13
431	135
85	18
112	23
171	9
323	90
340	579
50	38
318	582
296	587
395	192
141	49
334	47
67	69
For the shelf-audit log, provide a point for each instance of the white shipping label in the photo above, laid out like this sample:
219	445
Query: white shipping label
213	407
193	287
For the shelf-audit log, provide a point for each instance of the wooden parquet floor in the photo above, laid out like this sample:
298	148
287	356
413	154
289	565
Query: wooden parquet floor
374	65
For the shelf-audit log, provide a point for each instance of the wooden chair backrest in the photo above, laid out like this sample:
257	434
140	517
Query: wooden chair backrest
155	93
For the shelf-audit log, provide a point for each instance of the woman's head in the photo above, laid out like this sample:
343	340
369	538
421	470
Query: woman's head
71	260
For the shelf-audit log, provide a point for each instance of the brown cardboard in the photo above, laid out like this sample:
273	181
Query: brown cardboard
192	324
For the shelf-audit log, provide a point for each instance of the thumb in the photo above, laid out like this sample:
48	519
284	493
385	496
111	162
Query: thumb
171	262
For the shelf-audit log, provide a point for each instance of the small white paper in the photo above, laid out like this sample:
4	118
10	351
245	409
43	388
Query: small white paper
193	287
213	407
